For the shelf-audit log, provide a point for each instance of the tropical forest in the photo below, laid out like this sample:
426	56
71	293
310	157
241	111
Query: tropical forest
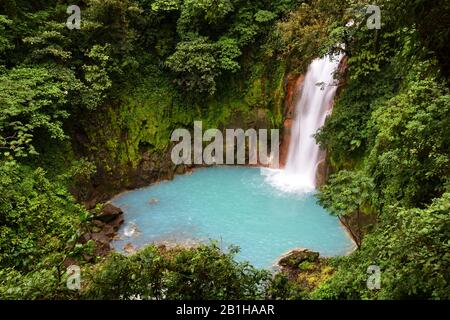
320	161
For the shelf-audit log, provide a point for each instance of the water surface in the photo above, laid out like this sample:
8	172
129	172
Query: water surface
234	205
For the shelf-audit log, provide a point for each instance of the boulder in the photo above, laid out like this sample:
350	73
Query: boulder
117	222
295	257
109	213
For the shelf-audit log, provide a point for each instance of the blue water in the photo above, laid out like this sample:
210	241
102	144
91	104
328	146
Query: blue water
233	205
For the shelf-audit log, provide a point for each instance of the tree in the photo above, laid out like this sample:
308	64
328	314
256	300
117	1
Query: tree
32	99
347	193
198	62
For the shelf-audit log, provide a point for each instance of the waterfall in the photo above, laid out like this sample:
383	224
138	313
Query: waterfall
313	106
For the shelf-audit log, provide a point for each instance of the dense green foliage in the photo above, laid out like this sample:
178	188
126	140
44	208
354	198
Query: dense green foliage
39	227
388	140
410	246
103	98
133	72
155	273
39	219
346	192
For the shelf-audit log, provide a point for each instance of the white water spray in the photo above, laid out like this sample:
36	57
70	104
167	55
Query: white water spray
319	88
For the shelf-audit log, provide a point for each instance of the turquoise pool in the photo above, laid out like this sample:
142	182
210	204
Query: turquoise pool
234	205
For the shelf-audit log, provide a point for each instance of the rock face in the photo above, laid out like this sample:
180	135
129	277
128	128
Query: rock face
296	257
358	225
293	93
322	170
104	184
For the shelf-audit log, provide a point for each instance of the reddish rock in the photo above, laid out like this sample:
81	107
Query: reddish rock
293	94
342	74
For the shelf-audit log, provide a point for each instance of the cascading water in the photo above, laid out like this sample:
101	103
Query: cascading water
299	174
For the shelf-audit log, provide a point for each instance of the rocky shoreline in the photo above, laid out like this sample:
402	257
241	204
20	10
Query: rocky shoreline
104	228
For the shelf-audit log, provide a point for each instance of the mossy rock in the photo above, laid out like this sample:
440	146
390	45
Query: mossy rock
296	257
307	266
